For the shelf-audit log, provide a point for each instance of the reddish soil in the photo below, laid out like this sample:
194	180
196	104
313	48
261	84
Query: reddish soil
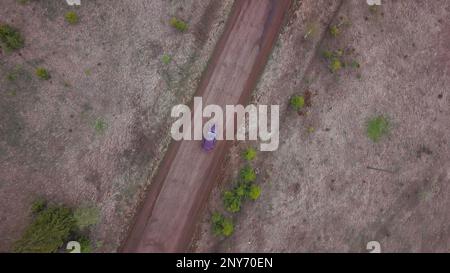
167	218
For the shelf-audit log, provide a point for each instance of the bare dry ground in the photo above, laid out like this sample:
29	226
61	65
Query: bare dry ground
317	193
95	133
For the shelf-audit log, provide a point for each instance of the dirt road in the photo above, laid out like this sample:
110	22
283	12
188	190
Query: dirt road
167	217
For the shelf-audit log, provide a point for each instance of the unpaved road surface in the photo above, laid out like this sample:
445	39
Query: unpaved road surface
166	220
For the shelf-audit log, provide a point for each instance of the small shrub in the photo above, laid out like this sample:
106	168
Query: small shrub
297	102
86	216
334	59
221	225
335	65
48	232
178	24
100	126
166	59
232	201
250	154
335	31
248	174
377	127
42	73
10	38
254	192
71	17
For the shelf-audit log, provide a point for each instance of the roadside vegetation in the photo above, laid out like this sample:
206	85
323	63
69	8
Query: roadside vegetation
222	226
244	189
54	225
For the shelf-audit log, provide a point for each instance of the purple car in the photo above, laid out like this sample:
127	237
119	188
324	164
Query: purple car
209	141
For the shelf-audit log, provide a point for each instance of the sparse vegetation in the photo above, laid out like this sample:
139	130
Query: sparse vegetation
221	226
42	73
250	154
178	24
335	30
166	59
334	60
86	217
100	126
71	17
373	9
14	74
355	64
297	102
377	127
335	65
10	38
311	30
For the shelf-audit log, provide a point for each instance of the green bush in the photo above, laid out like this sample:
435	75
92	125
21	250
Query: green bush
48	232
297	102
42	73
248	174
254	192
221	225
86	217
10	38
232	201
178	24
334	59
377	127
166	59
71	17
250	154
